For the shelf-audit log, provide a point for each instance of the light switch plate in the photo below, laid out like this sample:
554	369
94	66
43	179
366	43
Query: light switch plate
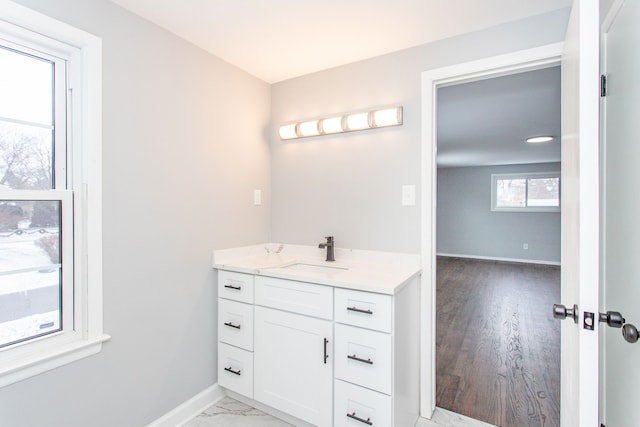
257	197
408	195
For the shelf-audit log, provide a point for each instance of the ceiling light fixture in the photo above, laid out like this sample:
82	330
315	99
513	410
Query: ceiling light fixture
343	123
538	139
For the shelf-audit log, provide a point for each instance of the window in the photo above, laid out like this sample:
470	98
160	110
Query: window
526	192
50	229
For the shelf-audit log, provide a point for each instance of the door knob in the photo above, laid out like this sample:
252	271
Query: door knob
630	333
615	320
612	318
562	312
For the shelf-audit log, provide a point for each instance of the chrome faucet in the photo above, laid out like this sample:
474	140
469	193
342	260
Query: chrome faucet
329	246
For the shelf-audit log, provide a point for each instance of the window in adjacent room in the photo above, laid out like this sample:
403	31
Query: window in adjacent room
526	192
50	194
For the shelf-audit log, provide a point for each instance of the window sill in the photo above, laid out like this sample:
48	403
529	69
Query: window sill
527	209
60	356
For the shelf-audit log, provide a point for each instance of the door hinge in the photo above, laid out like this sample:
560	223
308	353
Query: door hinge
603	85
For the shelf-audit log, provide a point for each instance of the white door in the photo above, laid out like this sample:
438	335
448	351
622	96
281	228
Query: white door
293	367
621	242
580	213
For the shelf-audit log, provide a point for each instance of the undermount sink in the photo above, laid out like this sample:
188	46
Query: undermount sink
315	268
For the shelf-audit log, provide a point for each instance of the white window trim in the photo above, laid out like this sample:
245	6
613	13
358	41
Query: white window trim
525	175
43	354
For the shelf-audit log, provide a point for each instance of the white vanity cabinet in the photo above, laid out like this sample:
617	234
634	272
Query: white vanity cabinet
235	332
377	365
322	354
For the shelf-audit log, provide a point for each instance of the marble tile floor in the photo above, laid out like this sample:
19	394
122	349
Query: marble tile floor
228	412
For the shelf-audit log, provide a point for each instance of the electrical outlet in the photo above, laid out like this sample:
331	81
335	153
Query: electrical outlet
525	246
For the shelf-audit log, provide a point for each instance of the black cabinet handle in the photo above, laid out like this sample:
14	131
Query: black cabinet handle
231	325
362	420
359	310
326	356
354	357
237	288
232	371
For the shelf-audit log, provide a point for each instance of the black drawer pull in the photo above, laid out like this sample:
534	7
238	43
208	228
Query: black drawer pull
359	310
362	420
354	357
326	355
231	325
237	288
232	371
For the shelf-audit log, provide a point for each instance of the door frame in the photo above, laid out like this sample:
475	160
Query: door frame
610	16
516	62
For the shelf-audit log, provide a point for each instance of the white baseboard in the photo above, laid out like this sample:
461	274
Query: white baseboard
191	408
490	258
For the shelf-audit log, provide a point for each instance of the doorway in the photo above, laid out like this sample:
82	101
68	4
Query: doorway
533	59
498	249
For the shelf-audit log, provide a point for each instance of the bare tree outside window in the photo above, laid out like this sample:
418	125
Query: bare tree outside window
30	247
539	191
512	192
543	192
25	157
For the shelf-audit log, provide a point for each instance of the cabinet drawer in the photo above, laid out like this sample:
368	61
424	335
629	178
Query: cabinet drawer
364	309
235	286
358	407
298	297
363	357
235	369
235	323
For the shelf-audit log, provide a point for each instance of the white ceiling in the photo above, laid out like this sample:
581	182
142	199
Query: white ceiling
486	122
277	40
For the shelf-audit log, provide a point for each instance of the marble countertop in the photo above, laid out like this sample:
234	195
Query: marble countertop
371	271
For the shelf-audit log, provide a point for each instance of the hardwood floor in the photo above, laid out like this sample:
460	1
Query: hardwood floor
498	346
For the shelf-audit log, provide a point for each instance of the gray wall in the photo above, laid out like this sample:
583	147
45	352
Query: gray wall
467	226
349	185
183	148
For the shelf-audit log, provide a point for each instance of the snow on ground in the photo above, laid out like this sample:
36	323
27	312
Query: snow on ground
21	252
29	326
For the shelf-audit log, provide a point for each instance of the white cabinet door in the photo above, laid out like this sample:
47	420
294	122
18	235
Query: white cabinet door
293	364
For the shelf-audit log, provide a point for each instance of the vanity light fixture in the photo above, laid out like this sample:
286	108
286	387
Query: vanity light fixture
344	123
309	128
387	117
331	125
358	121
288	131
539	139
